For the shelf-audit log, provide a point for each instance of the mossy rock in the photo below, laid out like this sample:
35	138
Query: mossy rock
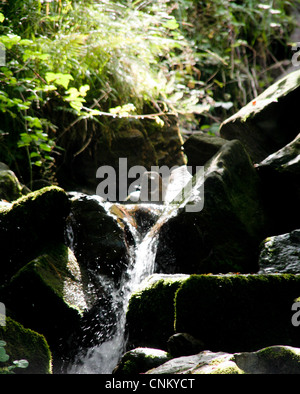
270	360
140	360
150	316
10	187
224	236
28	225
25	344
281	254
48	295
238	312
268	122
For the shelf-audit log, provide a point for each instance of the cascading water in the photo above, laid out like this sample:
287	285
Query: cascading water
103	359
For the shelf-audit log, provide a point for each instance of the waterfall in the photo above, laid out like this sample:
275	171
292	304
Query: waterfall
103	358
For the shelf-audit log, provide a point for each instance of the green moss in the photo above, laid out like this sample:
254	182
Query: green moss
10	188
141	360
47	294
150	316
31	223
22	343
238	312
228	370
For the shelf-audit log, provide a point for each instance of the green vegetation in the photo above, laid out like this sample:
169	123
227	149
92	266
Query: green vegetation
4	357
88	62
28	348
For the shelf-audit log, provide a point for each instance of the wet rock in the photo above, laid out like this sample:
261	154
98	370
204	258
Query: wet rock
281	254
225	233
270	121
98	241
140	360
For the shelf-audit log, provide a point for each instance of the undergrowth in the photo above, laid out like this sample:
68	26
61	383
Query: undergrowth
95	60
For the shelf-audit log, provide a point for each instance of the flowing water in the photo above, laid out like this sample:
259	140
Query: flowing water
104	358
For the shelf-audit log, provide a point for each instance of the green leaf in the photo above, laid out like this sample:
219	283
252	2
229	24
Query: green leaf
21	363
2	17
3	356
34	154
46	147
59	79
171	24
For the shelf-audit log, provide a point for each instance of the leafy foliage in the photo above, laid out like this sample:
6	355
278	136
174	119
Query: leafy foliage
97	59
5	357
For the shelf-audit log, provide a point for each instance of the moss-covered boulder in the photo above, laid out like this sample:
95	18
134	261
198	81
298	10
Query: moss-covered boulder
270	121
270	360
280	179
28	225
238	312
225	235
150	315
140	360
281	253
10	187
48	295
24	344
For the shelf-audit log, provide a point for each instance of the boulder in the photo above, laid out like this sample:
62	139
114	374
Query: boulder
224	235
10	187
150	315
140	360
143	142
280	179
199	148
184	344
203	362
49	296
30	224
97	237
24	344
238	312
281	253
270	121
269	360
